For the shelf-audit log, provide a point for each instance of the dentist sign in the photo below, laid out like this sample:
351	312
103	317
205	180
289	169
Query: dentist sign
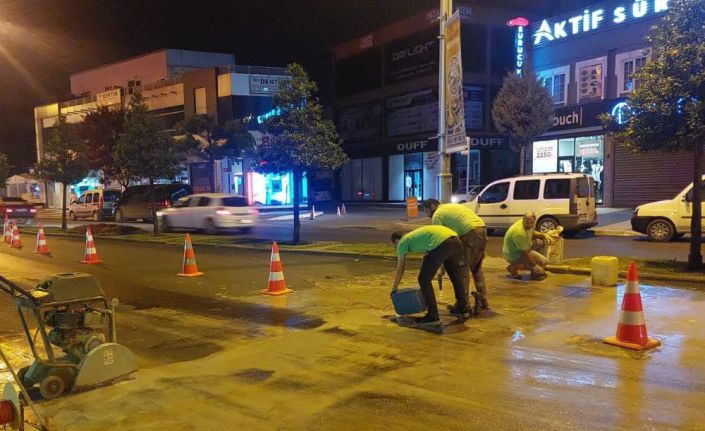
550	30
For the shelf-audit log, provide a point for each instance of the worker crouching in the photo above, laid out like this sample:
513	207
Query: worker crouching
519	246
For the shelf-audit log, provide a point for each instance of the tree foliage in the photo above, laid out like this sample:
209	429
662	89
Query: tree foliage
212	141
668	104
299	138
4	169
101	129
522	110
145	149
64	159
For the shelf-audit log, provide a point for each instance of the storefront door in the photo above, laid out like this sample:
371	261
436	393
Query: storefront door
413	183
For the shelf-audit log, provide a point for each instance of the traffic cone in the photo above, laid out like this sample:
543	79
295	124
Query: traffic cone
277	284
338	211
190	269
91	256
313	213
343	210
41	247
16	241
631	329
7	231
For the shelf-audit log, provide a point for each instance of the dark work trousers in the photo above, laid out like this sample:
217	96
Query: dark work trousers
450	255
474	243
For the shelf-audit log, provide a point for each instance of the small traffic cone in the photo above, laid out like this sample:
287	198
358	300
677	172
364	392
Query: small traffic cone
631	329
190	269
338	211
313	212
277	284
343	210
91	256
7	231
16	241
41	247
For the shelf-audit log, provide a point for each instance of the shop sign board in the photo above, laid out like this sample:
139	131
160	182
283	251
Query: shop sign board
587	147
492	142
412	113
576	117
110	97
606	16
360	122
590	82
545	156
266	84
411	58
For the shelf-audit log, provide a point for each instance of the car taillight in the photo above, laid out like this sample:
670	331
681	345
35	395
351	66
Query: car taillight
9	210
167	204
33	210
222	211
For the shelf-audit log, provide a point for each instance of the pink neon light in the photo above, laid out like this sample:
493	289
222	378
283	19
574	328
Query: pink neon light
518	21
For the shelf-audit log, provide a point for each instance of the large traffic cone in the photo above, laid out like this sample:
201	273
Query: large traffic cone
190	269
631	329
7	231
41	247
16	241
277	284
91	256
343	210
313	212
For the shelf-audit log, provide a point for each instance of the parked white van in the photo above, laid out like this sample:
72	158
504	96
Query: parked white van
558	199
665	220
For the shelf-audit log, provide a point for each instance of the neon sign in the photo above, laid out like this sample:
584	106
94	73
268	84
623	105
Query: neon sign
519	23
621	112
272	113
591	20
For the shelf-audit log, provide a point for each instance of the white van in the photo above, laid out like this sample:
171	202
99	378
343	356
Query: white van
665	220
558	199
97	205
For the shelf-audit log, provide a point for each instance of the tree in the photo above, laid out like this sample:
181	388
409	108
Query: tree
64	159
4	169
523	110
668	104
211	141
145	149
299	139
101	129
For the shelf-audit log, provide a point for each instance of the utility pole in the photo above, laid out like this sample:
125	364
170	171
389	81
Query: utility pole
444	176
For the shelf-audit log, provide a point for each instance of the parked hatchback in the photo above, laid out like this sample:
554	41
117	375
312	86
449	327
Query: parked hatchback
135	202
96	204
560	199
210	212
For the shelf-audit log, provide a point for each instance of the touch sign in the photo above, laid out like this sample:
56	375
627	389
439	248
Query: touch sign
590	20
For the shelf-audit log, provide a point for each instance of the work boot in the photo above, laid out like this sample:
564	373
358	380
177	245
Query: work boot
428	320
538	276
459	311
481	301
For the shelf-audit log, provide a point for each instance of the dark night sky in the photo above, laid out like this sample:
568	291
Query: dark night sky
43	41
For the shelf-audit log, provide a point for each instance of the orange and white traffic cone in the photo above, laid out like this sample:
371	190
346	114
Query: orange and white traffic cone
338	211
631	329
7	231
343	210
277	284
16	241
190	269
91	256
42	247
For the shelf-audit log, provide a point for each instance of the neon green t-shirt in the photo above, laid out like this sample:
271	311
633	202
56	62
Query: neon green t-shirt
458	217
516	241
423	239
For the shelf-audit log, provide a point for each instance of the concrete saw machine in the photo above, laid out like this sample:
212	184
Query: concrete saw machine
72	314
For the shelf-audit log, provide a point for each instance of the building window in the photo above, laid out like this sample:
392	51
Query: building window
590	79
199	95
555	82
630	68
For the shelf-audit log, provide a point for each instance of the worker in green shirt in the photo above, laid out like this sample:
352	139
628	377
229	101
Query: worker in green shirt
473	235
518	248
440	246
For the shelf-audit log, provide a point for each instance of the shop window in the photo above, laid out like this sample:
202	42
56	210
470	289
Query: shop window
199	95
590	78
555	81
627	64
630	68
495	194
557	189
527	190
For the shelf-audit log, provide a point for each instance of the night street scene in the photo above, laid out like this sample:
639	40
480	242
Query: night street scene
352	215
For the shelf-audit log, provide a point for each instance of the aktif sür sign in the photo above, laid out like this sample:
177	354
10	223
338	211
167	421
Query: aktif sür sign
595	19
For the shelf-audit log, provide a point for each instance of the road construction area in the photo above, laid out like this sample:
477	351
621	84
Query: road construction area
214	353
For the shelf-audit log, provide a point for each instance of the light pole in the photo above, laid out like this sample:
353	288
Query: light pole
444	176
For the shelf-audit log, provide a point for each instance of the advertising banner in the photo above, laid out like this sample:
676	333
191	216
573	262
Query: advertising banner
545	156
360	122
266	84
412	113
411	58
591	82
455	108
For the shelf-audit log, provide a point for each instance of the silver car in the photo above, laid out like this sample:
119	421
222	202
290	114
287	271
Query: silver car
210	213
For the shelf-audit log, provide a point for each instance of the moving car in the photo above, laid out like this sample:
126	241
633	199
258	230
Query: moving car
17	209
95	204
210	212
558	199
136	201
663	221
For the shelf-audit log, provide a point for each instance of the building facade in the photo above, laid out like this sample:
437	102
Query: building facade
587	60
176	85
386	106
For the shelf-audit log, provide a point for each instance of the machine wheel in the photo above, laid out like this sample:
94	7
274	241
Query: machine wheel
52	387
72	215
546	224
119	217
209	227
20	375
660	230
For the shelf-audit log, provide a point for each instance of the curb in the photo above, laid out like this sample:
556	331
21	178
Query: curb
565	269
608	232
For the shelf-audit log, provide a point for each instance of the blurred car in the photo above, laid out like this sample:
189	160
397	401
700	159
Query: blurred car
209	212
461	198
136	201
95	204
17	209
